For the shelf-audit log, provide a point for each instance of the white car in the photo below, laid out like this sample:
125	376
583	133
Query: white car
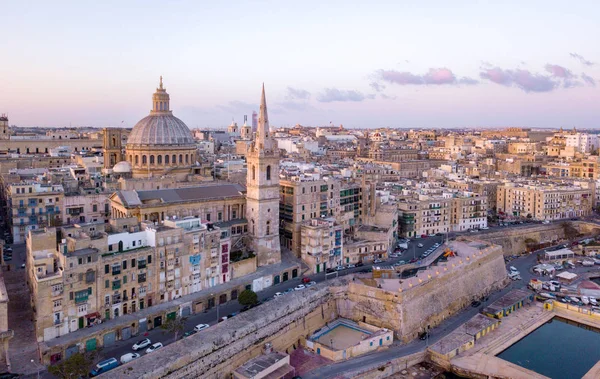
420	245
310	284
141	344
593	301
299	287
340	268
200	327
585	300
277	294
126	358
154	347
351	265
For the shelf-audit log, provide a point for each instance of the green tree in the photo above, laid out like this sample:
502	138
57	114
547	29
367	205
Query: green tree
76	366
174	325
248	297
570	231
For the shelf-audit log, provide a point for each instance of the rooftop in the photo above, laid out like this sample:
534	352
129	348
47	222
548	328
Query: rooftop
507	300
478	323
451	342
179	195
259	364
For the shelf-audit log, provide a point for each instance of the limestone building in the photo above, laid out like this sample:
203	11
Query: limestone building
160	143
262	196
4	130
112	149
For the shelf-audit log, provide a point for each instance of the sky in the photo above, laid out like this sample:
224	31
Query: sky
431	64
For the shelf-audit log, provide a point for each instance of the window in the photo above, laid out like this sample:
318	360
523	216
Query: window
253	172
106	267
80	260
166	159
152	159
220	216
125	265
149	259
133	263
268	172
159	159
125	279
144	159
106	283
180	158
208	217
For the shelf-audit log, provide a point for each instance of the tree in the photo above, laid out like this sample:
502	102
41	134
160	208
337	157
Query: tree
174	325
248	297
76	366
570	231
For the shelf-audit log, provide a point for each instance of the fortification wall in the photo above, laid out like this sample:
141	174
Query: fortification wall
217	351
409	312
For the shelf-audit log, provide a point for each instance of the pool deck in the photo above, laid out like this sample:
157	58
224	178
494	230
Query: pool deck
482	358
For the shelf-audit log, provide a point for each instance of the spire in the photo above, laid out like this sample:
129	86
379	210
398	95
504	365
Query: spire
263	138
161	85
160	100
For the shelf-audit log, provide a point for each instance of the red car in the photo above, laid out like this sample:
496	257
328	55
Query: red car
305	280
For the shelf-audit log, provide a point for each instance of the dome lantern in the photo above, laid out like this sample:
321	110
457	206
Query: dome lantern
160	100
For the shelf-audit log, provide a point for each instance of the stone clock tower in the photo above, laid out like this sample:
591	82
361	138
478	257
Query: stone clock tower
262	191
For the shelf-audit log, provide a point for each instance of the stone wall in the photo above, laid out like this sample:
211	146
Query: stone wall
409	312
243	267
513	240
216	352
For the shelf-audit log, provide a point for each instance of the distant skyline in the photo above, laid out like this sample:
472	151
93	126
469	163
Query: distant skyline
360	64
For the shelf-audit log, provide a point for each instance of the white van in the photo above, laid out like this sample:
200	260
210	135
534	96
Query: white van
126	358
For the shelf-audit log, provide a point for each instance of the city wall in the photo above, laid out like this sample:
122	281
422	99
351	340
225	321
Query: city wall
411	311
216	352
513	240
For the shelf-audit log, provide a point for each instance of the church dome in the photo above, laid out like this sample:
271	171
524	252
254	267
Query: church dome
160	128
122	167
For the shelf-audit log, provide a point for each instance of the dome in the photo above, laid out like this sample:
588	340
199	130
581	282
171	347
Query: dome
160	129
122	167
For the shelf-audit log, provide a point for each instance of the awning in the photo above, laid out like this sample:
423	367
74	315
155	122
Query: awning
93	315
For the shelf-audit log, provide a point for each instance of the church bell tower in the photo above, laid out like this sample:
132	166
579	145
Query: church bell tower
262	191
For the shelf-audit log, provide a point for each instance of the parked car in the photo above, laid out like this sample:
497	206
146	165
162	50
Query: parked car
305	280
126	358
310	284
142	344
329	270
593	301
223	319
299	287
585	300
423	336
200	327
339	268
377	261
104	366
475	304
351	265
189	333
420	245
277	294
360	264
154	347
288	290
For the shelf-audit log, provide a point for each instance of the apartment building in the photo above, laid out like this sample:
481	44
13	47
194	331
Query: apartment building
83	274
468	211
583	142
424	215
33	205
82	208
302	199
321	244
546	201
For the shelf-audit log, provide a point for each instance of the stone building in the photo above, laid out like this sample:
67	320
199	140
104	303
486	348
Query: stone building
33	205
546	201
160	143
468	211
5	333
112	148
321	244
262	196
424	215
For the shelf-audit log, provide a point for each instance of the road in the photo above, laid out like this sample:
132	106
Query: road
210	316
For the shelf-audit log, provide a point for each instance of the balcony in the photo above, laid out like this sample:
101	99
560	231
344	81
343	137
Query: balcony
116	271
116	285
141	265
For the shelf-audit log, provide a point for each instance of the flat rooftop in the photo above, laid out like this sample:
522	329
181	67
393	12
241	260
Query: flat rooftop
259	364
451	342
507	300
478	323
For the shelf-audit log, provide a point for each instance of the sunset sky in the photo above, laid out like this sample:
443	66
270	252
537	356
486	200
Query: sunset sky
362	64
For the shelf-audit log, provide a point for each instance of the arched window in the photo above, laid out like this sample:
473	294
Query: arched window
114	142
144	159
268	227
137	160
166	159
253	172
130	158
152	159
159	159
187	158
268	172
174	159
180	158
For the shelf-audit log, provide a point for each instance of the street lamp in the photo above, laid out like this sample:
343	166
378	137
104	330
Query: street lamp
216	301
38	370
